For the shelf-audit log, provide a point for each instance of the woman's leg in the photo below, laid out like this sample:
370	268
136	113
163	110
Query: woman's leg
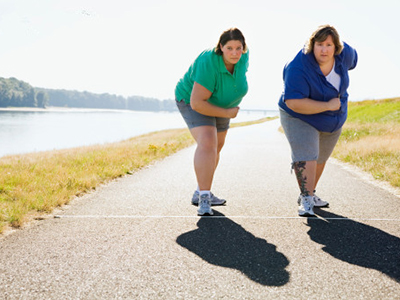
304	143
206	155
327	142
306	172
320	169
221	136
209	134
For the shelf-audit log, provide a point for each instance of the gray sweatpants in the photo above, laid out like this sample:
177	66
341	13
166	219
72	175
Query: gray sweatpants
306	142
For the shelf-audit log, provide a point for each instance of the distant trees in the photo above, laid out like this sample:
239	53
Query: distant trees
16	93
66	98
42	99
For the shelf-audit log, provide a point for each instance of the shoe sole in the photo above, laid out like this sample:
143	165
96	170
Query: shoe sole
326	205
205	214
212	204
307	215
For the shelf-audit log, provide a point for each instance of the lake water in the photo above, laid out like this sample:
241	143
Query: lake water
33	131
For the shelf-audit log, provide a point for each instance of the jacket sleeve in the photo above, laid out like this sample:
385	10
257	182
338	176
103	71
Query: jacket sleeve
350	56
296	85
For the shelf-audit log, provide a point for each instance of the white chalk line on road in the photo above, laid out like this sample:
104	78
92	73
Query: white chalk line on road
214	217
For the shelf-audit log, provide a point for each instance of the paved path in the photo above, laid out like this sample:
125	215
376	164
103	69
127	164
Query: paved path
139	238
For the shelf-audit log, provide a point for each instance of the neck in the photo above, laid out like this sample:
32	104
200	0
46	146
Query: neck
230	67
326	68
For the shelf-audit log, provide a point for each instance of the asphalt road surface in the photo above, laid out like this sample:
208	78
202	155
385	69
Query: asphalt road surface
140	238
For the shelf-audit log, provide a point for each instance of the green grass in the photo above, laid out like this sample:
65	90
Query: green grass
371	139
375	111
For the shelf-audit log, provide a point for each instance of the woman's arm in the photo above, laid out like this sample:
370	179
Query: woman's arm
308	106
199	103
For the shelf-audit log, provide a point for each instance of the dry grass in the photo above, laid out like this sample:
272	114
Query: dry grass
35	184
233	125
371	139
378	155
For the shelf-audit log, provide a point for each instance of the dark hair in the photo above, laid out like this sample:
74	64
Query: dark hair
232	34
320	35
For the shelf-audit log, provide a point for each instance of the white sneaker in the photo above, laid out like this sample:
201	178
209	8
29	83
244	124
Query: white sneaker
318	202
205	206
214	199
306	206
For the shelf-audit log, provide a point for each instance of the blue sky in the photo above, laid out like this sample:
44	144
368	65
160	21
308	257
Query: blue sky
143	47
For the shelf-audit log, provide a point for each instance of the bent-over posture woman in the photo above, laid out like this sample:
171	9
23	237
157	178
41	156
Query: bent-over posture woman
313	108
208	96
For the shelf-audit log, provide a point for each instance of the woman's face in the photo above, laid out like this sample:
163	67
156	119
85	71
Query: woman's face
231	52
324	51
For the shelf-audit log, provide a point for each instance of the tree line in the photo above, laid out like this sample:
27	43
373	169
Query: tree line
17	93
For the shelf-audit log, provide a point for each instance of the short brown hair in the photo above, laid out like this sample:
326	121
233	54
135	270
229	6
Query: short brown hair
232	34
320	35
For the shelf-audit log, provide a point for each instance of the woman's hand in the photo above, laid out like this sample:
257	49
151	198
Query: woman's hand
199	102
232	112
334	104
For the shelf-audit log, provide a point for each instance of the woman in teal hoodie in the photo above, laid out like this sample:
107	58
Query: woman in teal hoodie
313	108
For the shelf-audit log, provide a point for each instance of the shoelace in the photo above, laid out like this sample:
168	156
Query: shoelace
319	200
204	203
211	195
307	205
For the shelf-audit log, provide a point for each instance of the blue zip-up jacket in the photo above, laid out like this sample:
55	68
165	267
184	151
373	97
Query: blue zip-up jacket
303	79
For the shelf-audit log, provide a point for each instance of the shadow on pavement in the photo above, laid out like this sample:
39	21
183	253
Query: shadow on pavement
222	242
357	243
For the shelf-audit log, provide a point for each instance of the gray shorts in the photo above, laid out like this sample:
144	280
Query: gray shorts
306	142
195	119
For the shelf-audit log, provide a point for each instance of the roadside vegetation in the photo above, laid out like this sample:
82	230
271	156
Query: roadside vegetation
32	185
371	139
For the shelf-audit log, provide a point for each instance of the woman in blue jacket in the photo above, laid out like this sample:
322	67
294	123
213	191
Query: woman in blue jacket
313	108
